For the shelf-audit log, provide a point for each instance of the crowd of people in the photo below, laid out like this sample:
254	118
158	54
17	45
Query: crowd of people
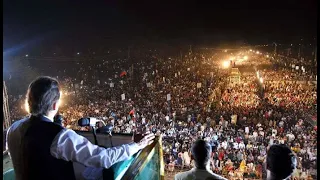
191	97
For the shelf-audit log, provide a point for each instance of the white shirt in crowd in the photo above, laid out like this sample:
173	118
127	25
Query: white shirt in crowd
186	158
224	145
235	145
246	130
281	123
255	134
241	145
198	174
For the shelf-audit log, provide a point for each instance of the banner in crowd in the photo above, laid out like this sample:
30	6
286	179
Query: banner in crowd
168	97
198	85
111	85
123	97
234	119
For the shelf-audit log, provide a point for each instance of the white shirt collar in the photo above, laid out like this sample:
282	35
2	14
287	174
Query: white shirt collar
48	118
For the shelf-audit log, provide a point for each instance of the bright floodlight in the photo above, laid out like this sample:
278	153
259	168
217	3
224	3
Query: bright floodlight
267	56
261	80
225	64
245	57
27	55
226	50
257	52
78	53
251	50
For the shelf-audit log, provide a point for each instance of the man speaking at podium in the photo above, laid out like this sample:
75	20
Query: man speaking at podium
41	149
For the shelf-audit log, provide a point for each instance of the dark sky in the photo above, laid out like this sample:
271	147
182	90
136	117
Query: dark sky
92	23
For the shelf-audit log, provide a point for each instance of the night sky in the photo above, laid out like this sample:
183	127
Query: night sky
81	24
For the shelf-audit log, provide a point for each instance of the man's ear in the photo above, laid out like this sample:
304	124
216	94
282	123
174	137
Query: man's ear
55	106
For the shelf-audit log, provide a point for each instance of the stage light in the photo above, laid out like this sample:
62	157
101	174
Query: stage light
225	64
245	57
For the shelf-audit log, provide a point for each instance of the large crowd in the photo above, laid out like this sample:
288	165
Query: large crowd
191	97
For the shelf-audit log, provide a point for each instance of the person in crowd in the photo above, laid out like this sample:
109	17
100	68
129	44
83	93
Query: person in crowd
280	162
201	152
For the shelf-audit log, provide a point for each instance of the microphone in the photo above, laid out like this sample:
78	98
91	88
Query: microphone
89	121
58	119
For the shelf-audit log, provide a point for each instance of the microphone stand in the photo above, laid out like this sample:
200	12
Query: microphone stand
94	135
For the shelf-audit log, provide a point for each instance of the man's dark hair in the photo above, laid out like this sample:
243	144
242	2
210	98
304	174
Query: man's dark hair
280	161
42	93
201	151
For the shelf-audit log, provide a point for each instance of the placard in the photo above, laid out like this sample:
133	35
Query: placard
168	97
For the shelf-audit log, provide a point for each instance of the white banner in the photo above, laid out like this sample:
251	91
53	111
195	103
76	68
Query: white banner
123	97
198	85
168	97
